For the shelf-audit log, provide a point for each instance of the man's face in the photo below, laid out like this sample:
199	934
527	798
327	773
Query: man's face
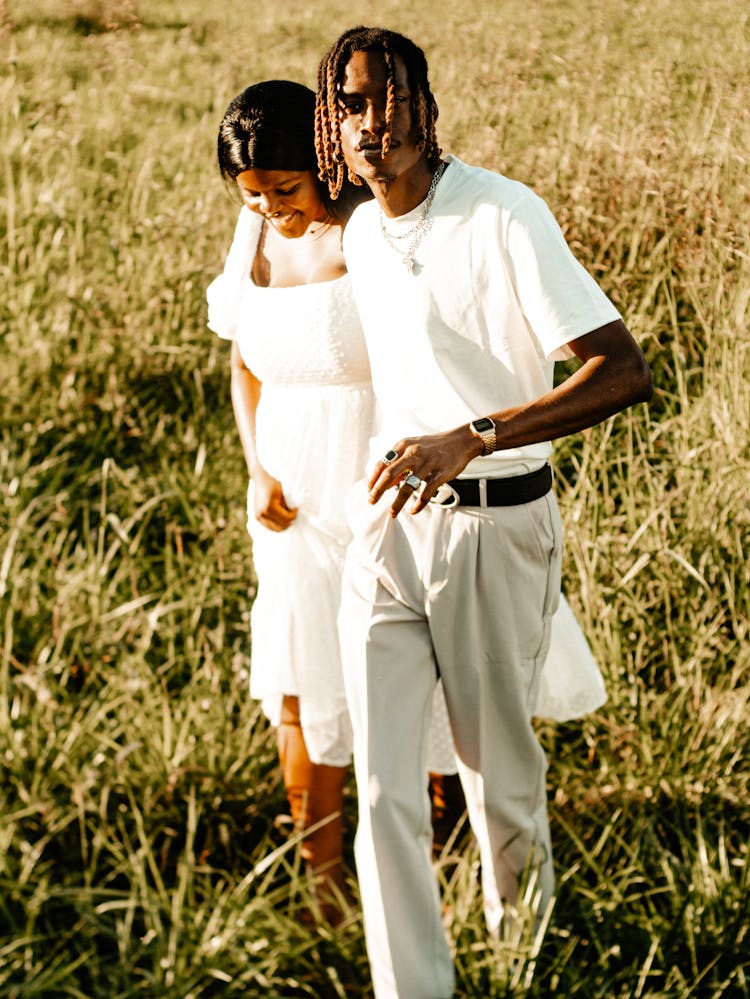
362	102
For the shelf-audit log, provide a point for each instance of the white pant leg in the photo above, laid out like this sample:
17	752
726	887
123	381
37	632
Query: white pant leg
390	675
495	588
488	582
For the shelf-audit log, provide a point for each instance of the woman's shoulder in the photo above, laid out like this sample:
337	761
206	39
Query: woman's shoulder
224	291
249	227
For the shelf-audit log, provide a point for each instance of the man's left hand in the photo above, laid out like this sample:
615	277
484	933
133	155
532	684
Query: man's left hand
433	459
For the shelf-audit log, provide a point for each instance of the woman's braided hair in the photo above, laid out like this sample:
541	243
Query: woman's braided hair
331	167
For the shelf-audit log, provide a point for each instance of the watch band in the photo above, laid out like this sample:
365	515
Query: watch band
484	429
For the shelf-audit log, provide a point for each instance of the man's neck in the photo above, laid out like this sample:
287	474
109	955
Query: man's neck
399	195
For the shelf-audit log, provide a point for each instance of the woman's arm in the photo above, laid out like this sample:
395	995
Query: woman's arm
270	505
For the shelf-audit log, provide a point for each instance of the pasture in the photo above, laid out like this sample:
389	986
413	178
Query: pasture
140	848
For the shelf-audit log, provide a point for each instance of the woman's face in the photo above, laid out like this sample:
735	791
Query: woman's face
288	199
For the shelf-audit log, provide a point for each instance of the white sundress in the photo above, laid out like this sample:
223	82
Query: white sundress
313	423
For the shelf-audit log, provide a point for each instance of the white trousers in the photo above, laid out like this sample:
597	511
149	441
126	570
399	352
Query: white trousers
467	593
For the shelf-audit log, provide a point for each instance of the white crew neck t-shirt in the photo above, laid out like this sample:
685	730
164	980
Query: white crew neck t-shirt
495	296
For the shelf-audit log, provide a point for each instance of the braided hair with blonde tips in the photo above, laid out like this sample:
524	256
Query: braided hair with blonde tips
332	169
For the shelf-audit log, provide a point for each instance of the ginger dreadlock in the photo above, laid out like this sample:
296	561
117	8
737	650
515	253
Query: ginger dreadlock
331	167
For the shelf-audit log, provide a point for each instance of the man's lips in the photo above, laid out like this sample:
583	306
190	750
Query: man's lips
375	147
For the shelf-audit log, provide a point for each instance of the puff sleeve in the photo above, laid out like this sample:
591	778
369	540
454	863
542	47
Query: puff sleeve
224	292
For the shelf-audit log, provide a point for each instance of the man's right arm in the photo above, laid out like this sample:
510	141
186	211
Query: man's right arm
613	376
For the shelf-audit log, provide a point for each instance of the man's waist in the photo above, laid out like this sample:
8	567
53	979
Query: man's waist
500	464
511	490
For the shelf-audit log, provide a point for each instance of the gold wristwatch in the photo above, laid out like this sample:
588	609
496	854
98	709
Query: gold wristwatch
484	429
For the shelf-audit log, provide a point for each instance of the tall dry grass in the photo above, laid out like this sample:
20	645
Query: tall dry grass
139	848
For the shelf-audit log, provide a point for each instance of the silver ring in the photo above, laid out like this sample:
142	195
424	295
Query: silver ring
389	456
413	481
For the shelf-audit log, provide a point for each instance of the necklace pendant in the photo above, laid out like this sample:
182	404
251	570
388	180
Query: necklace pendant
420	228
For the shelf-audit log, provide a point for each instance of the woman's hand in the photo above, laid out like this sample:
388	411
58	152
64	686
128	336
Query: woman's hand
271	508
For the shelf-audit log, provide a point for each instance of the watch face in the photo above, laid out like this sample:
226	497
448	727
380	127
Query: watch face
482	425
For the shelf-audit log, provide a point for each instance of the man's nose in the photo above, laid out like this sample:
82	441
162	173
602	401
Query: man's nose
373	119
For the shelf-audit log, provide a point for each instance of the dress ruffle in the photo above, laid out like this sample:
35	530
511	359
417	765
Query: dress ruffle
571	682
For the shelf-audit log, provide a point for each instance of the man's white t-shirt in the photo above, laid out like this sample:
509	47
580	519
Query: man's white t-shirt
495	296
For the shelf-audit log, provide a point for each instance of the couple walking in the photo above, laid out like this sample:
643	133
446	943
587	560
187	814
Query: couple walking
395	315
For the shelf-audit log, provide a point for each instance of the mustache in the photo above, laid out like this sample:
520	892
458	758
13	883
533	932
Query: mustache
368	145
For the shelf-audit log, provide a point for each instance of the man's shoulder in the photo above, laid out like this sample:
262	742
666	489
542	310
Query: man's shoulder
358	234
363	216
363	211
481	185
496	212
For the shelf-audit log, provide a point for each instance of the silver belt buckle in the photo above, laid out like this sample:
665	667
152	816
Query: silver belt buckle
446	496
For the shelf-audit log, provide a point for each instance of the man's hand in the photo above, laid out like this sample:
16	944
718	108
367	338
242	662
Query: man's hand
434	459
614	375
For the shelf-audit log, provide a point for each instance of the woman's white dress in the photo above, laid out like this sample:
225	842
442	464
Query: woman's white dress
313	423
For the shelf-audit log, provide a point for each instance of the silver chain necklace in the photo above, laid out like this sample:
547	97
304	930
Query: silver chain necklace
420	228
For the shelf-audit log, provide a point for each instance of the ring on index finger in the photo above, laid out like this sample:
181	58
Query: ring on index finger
389	456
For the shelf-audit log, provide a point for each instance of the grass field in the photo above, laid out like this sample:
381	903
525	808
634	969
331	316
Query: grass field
139	849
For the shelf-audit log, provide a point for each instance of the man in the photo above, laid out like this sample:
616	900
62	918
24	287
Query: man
467	293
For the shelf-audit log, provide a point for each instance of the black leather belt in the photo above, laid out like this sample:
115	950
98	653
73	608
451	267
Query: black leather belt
512	491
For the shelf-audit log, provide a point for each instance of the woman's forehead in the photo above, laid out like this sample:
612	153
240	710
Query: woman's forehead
257	179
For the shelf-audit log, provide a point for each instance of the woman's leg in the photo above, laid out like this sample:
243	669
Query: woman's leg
315	793
448	808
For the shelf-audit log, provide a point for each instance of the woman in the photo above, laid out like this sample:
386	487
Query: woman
303	406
